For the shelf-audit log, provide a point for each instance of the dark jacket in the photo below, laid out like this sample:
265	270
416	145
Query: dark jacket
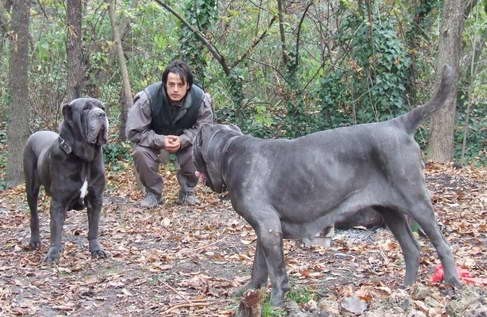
164	120
139	128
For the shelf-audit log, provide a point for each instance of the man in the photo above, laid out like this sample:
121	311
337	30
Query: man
164	119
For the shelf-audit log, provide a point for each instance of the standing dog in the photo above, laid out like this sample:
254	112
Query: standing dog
70	167
294	188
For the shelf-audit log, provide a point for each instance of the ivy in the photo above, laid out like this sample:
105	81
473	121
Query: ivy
202	14
370	87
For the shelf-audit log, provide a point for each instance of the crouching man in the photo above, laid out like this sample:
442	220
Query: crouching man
164	119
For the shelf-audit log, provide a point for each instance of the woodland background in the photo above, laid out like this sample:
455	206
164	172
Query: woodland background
277	68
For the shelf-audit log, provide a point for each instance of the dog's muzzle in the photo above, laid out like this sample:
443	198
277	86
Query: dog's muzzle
97	127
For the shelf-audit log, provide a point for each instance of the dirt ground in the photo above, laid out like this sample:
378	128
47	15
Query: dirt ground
187	261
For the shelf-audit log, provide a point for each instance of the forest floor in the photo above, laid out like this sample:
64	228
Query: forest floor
187	261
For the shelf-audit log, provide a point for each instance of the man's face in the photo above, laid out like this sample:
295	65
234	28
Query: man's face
176	89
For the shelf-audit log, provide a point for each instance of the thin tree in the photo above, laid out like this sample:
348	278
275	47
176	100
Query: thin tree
440	146
420	26
4	31
127	100
76	70
4	22
472	66
18	114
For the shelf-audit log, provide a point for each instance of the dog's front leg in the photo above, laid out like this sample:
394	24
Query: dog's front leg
259	271
58	214
259	268
271	241
94	208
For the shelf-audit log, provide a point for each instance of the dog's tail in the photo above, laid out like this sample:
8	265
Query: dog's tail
412	119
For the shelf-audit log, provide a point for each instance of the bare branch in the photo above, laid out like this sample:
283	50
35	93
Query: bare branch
254	44
298	36
269	66
258	20
43	10
213	50
470	5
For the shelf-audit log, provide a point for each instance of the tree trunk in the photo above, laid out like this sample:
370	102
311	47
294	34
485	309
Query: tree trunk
73	49
440	145
18	123
126	90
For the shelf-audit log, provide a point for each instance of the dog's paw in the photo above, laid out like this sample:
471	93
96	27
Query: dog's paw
33	245
278	296
99	254
454	282
96	250
52	255
276	301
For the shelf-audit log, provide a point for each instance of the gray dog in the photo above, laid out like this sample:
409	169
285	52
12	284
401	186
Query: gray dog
294	188
70	167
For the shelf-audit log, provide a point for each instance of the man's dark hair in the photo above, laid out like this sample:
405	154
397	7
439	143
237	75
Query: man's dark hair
182	69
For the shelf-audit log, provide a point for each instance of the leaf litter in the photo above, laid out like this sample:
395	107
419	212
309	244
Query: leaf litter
188	261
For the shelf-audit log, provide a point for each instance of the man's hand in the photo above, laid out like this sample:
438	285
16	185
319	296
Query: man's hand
172	143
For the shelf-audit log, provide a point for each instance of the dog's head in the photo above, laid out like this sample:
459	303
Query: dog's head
86	118
209	146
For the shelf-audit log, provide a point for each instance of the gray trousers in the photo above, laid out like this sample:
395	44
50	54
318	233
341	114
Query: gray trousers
147	161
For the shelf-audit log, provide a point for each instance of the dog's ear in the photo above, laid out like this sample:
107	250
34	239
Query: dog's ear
96	103
204	133
199	138
197	156
235	127
67	111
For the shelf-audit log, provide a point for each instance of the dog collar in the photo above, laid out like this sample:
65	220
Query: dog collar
64	146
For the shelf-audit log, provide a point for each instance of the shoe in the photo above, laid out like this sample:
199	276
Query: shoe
151	200
187	198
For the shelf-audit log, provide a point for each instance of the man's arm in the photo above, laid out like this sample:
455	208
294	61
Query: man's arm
205	116
138	124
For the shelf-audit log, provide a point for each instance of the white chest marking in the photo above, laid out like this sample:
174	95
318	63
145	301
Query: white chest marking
83	190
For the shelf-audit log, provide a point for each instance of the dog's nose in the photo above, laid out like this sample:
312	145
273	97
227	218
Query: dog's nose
101	115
